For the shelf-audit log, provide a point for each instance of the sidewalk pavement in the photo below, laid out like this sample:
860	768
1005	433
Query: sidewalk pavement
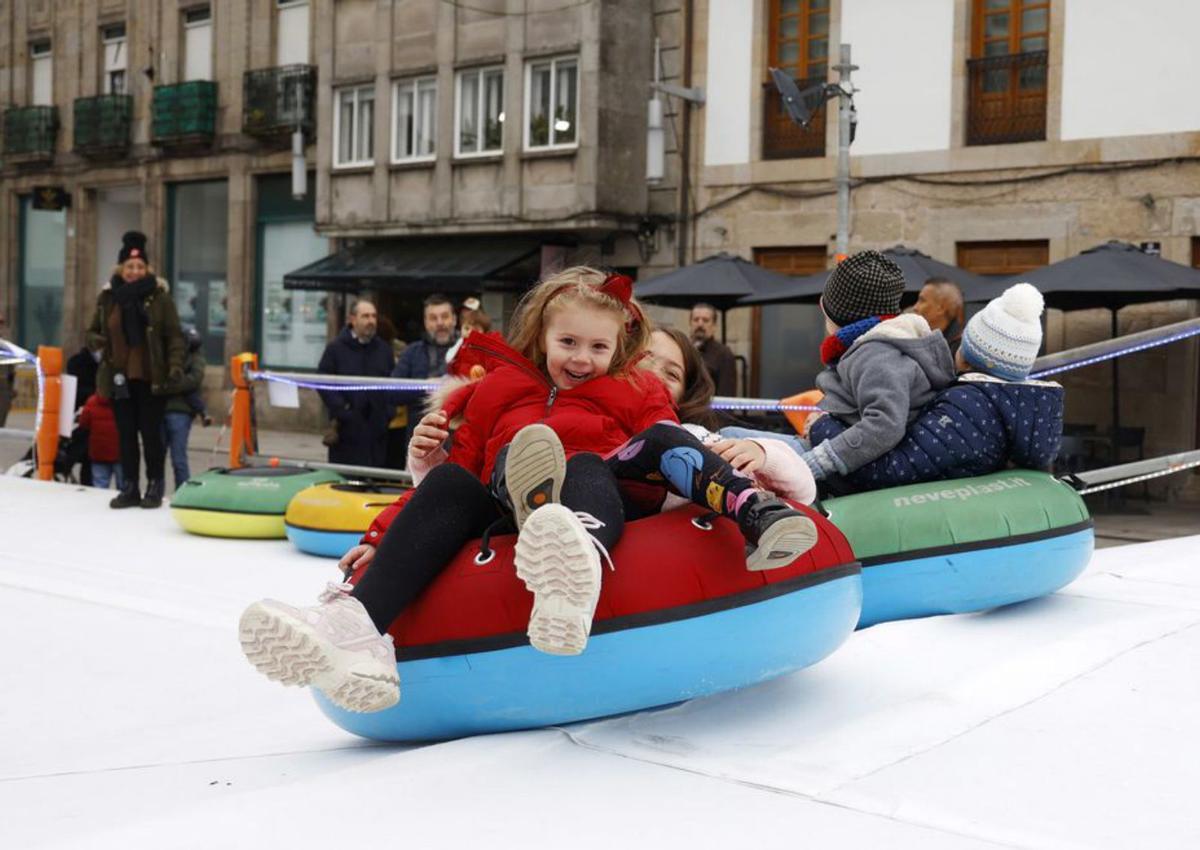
1138	521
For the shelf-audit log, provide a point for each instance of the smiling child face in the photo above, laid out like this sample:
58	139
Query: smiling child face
580	342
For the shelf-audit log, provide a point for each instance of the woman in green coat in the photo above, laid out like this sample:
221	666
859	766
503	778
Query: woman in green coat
137	331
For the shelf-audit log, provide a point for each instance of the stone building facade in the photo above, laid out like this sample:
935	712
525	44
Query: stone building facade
1105	161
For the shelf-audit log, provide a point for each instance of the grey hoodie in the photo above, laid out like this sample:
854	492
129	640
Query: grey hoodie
877	388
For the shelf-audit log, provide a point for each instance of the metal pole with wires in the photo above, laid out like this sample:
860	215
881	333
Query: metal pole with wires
846	121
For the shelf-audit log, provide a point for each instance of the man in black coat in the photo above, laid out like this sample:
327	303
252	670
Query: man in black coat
361	417
426	358
717	356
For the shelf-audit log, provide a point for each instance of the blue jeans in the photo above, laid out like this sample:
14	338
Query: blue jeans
176	428
794	441
102	473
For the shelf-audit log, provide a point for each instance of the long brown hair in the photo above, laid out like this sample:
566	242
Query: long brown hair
578	285
695	406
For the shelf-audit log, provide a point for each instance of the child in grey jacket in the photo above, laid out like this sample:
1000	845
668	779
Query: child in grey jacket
882	368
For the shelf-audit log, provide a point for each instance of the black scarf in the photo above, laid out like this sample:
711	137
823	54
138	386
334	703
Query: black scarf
129	298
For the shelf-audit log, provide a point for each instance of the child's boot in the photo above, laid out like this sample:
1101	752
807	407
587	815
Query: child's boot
559	561
332	646
776	533
534	469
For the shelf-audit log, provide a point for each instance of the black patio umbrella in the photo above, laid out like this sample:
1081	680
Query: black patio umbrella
721	280
918	269
1111	276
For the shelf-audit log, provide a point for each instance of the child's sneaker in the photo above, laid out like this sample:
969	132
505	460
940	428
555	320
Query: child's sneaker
332	646
558	560
776	533
534	469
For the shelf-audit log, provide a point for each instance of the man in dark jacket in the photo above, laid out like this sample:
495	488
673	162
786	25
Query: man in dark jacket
426	358
361	418
718	357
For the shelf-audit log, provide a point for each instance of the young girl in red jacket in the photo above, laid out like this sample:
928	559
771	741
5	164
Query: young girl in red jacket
571	374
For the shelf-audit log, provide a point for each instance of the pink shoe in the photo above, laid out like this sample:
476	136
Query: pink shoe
332	646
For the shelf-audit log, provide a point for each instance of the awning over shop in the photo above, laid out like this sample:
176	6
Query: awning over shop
458	264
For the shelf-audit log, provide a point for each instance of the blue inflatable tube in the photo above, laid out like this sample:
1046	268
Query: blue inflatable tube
629	664
959	580
327	544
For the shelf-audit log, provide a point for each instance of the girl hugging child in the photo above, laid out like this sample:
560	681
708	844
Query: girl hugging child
536	427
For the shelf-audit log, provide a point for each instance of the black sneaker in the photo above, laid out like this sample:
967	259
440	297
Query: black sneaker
129	497
154	493
776	533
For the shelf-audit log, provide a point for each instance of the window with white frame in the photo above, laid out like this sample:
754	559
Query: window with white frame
479	112
414	107
552	103
291	32
198	44
354	125
112	79
41	85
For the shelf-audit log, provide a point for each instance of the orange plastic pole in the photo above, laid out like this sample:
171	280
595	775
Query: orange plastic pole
241	426
51	360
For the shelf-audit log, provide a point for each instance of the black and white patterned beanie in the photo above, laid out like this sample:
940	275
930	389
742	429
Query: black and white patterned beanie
862	285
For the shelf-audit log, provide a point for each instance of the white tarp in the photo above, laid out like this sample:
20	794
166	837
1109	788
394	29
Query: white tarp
129	719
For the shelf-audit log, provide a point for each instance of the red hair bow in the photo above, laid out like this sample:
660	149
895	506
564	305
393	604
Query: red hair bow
620	287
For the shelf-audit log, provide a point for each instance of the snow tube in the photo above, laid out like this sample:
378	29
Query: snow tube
245	502
951	547
680	617
328	519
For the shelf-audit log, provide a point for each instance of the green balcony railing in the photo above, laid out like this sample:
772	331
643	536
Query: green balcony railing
185	113
30	133
102	124
278	100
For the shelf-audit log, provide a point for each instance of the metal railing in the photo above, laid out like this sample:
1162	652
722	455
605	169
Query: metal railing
102	124
184	113
279	100
784	139
1007	98
30	132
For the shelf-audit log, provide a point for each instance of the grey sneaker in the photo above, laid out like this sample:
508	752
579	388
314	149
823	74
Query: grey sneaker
534	470
776	533
332	646
559	561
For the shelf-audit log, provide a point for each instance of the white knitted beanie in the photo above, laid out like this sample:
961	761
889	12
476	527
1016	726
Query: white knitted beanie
1003	338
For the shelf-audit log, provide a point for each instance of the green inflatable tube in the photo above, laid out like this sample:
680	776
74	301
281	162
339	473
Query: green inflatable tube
249	502
964	545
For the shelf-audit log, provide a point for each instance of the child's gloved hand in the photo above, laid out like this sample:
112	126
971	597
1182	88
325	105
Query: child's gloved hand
360	556
429	434
745	456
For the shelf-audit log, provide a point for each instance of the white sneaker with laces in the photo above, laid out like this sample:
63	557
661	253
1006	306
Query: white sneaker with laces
559	561
332	646
534	469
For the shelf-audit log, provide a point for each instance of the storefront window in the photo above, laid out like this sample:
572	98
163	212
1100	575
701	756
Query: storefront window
43	264
293	329
199	270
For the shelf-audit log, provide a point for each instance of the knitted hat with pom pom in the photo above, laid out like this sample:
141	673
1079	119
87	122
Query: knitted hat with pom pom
1003	338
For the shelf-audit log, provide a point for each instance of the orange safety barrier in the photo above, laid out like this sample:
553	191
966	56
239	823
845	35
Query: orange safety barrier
51	360
243	440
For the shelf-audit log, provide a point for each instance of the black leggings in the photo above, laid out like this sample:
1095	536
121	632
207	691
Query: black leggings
665	453
141	413
453	507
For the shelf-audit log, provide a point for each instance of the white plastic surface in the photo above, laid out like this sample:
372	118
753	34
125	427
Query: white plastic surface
129	719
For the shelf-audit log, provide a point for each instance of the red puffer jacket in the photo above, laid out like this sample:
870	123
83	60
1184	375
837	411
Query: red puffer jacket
598	416
97	417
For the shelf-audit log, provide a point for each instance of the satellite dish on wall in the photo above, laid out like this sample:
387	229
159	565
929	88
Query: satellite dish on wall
800	105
